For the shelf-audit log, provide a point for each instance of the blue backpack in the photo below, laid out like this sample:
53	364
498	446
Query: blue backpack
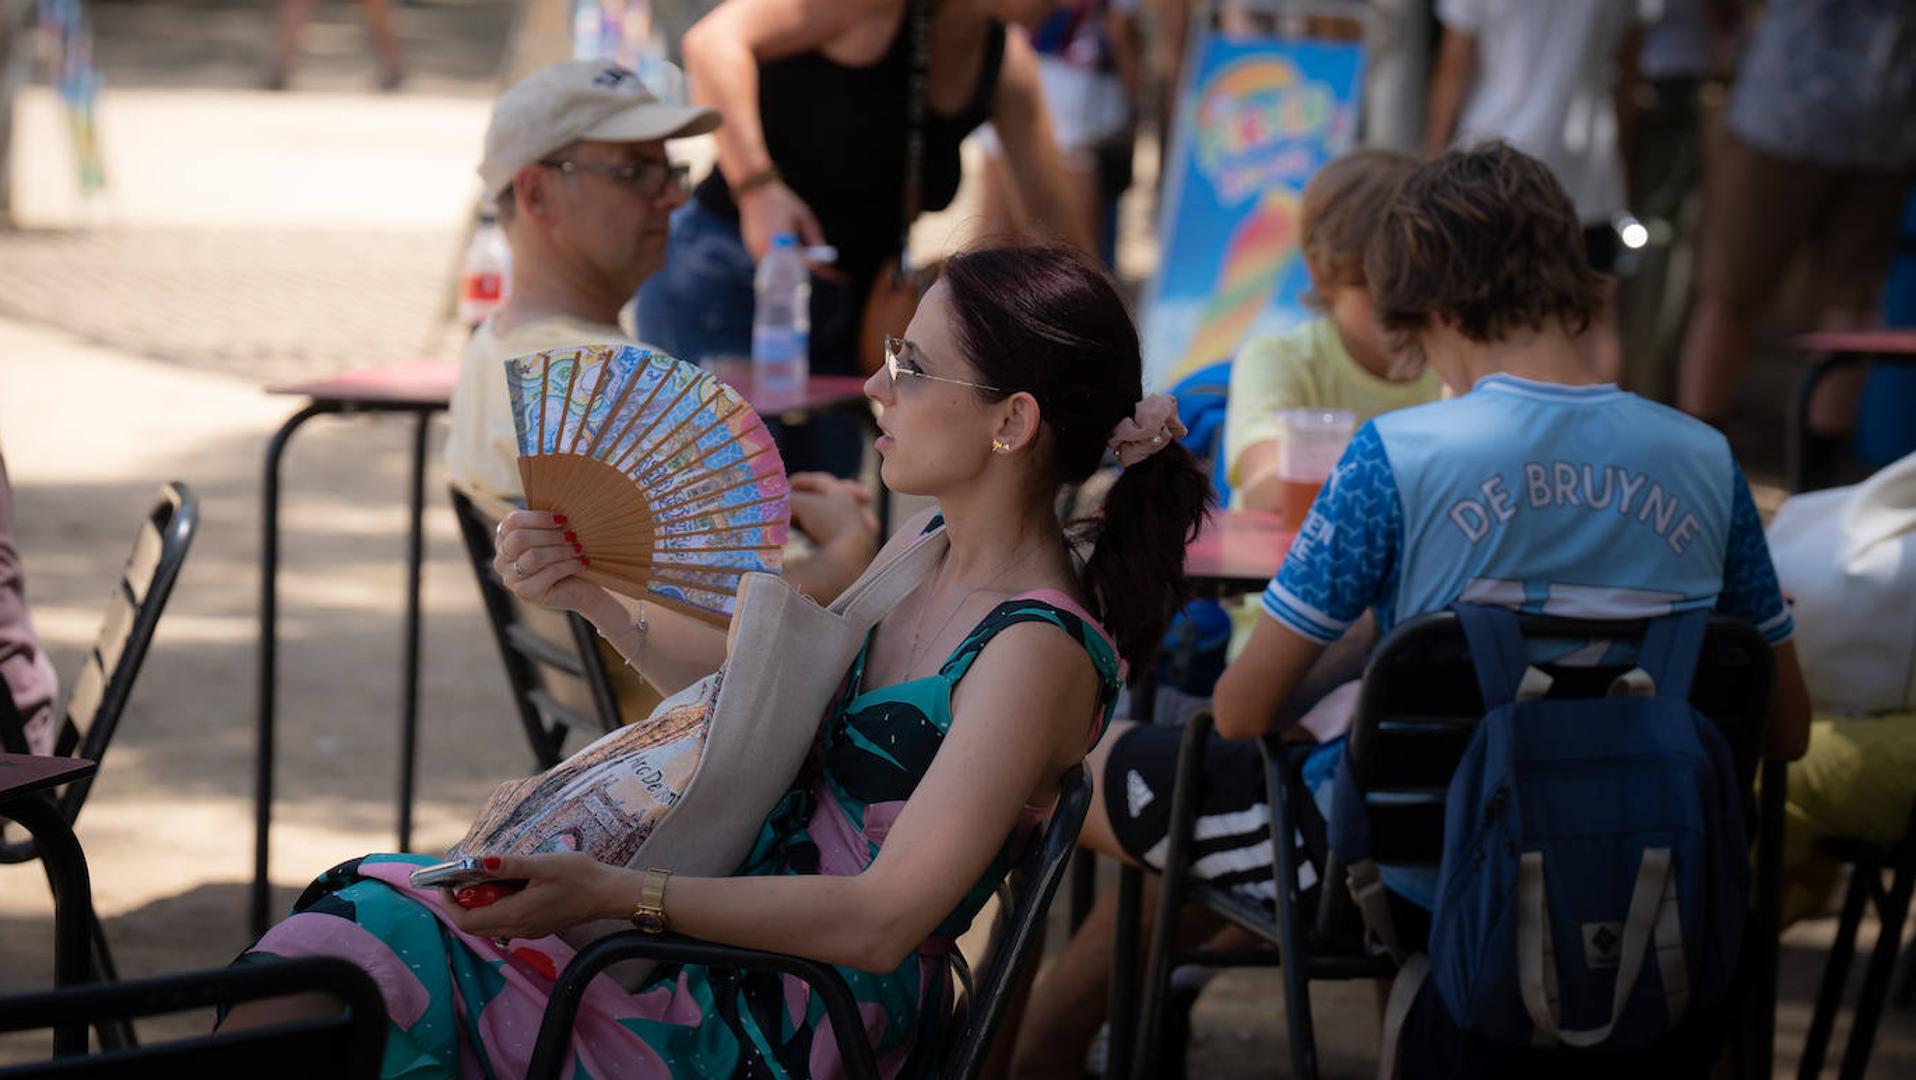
1595	874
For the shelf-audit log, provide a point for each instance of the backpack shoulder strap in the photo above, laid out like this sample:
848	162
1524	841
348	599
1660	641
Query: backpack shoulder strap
1497	652
1670	650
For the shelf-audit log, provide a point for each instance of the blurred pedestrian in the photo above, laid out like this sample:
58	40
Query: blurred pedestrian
1819	147
842	121
293	15
25	672
1543	77
1089	66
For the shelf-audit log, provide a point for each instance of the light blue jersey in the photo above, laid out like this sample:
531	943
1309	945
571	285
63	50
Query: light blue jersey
1581	501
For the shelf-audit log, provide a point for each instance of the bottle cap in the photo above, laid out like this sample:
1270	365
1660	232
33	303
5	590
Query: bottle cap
784	240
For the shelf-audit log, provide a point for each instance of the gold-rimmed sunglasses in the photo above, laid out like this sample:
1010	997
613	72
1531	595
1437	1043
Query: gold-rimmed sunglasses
896	364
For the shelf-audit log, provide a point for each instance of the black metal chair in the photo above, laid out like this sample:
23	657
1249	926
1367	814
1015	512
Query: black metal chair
1024	898
99	695
347	1045
1891	906
1415	715
552	660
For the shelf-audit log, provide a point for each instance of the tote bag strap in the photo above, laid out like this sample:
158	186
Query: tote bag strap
877	592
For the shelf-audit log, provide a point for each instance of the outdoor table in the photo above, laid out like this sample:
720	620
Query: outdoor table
421	388
1844	348
1238	550
25	780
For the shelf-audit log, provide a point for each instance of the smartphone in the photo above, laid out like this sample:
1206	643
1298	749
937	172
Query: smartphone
451	875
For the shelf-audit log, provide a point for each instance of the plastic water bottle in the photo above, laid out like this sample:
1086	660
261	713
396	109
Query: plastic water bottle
485	276
782	319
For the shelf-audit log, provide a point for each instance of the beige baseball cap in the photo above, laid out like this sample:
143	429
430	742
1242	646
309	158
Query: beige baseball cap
578	99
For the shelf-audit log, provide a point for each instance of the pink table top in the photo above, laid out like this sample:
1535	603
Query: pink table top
1894	342
430	382
1243	546
22	773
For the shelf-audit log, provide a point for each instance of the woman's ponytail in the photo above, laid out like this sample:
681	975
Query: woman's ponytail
1135	569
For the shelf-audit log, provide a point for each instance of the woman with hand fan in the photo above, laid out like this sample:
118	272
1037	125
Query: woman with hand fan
942	751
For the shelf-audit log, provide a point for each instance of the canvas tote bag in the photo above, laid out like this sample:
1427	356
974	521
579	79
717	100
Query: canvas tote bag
786	659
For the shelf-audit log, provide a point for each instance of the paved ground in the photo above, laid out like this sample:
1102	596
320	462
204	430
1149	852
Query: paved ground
250	238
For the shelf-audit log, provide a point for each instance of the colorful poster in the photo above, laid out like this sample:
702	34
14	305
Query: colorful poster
1259	115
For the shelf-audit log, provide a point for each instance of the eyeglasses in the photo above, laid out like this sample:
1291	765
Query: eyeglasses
648	178
896	365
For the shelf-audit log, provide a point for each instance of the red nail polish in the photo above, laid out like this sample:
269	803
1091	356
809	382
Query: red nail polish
558	519
577	550
583	561
572	537
463	897
490	862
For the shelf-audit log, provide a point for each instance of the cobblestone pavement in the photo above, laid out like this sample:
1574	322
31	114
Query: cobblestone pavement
271	305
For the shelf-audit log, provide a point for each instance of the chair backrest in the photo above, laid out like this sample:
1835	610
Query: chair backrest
1419	707
348	1044
559	681
1024	902
99	695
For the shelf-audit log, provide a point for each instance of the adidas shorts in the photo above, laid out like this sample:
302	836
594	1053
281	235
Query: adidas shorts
1233	832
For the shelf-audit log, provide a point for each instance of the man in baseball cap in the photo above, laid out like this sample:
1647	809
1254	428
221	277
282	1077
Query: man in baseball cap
575	159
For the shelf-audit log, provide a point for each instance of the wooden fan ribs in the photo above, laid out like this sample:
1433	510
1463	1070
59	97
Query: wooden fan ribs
646	486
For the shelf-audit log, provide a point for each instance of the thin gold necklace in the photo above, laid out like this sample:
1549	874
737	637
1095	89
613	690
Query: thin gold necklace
911	659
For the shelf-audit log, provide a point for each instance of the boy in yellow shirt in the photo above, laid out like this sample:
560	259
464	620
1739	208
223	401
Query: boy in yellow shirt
1337	360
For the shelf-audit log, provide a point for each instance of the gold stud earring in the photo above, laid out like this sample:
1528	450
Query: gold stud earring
1000	447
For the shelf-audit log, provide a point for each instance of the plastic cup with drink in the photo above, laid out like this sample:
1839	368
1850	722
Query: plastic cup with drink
1309	443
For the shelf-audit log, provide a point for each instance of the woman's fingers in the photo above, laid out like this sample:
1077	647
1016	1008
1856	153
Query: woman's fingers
534	586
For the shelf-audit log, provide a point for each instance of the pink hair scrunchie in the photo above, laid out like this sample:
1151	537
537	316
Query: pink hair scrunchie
1154	426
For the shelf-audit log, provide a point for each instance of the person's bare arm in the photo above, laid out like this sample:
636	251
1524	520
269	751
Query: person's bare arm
1020	717
1450	80
835	515
1245	702
1023	122
1260	487
722	52
1623	94
1788	735
673	652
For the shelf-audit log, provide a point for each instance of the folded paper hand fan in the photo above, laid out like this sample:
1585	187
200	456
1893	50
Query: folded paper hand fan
669	479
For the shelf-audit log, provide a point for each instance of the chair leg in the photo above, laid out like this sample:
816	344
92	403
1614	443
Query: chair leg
1869	1008
1829	996
1904	994
1124	974
117	1033
1290	931
1177	859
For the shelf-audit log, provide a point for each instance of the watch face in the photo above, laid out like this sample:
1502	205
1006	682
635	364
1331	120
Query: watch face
649	922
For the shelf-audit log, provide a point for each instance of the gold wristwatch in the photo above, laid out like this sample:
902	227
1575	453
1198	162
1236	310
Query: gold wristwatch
649	914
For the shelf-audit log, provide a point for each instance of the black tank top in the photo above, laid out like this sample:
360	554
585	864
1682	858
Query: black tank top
838	135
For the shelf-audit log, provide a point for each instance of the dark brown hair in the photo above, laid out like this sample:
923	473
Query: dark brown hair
1343	206
1487	239
1049	322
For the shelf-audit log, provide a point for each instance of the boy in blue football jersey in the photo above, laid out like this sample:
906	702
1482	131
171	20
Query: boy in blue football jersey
1539	488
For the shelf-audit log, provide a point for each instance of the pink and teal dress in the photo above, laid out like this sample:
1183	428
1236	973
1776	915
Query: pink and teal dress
461	1006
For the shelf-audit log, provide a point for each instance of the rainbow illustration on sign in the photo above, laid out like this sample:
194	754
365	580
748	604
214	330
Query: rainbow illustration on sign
1263	115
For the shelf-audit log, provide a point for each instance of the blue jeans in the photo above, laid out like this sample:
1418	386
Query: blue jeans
698	307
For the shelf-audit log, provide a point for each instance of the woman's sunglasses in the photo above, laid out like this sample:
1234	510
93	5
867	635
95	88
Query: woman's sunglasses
896	364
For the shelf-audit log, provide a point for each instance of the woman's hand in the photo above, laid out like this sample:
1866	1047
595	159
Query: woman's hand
830	510
562	890
539	559
773	208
